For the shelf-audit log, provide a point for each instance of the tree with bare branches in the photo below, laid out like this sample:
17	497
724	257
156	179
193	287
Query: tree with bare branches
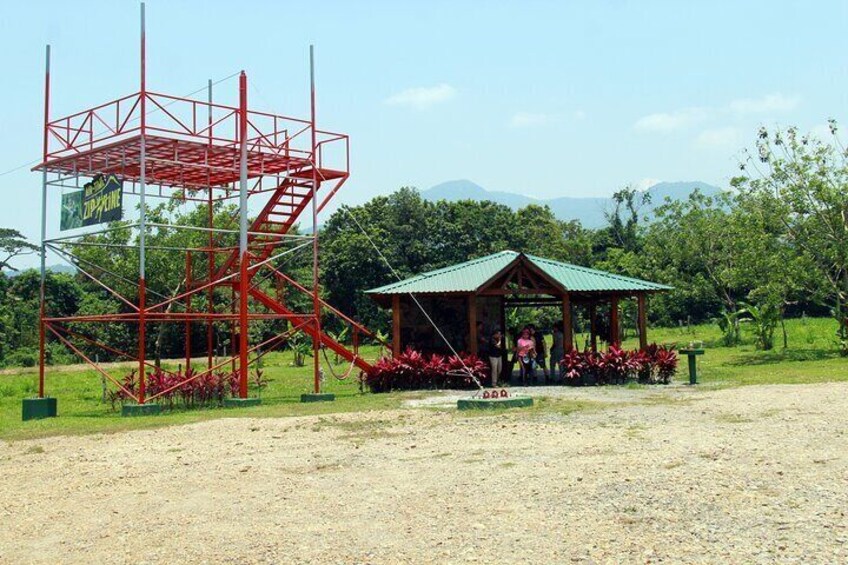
12	245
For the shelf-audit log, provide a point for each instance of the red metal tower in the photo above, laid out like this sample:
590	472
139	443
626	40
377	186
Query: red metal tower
203	152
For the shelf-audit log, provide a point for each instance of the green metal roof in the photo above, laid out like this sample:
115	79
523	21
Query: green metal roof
472	275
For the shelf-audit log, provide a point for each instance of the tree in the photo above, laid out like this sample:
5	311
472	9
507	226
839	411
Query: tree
627	201
690	247
12	245
19	307
805	180
537	231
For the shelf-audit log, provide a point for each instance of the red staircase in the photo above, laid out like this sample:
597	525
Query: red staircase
277	217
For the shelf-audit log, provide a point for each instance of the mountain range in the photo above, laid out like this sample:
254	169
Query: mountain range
588	210
58	268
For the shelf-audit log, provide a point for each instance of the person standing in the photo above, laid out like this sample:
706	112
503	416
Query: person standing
525	349
557	348
540	348
496	352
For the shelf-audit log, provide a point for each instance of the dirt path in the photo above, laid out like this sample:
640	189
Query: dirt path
756	474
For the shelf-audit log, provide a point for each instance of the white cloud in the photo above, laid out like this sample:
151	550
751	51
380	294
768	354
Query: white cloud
666	122
822	133
672	121
645	184
529	119
721	138
776	102
422	97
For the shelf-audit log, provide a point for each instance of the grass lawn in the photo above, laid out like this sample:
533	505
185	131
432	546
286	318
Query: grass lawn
812	356
79	393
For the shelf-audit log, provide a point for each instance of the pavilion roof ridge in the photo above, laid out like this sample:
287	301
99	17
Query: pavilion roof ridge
597	272
442	271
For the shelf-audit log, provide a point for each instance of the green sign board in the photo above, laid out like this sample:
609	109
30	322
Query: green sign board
100	201
71	211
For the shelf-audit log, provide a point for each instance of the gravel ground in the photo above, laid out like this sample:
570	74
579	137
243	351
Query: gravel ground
746	475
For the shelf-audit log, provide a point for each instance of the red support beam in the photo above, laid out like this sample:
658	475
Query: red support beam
188	285
210	293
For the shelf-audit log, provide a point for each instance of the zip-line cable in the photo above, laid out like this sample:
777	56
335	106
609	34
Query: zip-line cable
467	370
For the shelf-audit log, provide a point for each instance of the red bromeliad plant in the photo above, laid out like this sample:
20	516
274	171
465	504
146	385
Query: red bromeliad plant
169	388
665	363
413	370
616	366
574	365
464	370
381	376
435	371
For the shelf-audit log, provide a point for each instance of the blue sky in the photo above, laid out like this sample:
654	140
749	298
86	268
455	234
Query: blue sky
543	98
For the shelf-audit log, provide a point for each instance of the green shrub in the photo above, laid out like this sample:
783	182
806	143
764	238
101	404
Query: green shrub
23	357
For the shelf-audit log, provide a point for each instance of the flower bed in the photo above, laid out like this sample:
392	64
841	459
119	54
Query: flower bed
183	390
415	371
657	364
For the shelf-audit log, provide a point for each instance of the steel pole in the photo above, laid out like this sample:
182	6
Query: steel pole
243	278
41	310
316	299
142	212
211	293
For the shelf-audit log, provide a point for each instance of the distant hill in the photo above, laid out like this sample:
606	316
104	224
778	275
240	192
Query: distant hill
590	211
53	268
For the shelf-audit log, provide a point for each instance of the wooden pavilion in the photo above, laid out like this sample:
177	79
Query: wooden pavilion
463	299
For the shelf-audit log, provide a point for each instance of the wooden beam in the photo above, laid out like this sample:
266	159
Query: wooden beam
567	330
472	324
395	325
507	292
614	333
550	301
642	321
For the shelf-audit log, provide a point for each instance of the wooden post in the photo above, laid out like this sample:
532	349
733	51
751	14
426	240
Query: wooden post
395	325
642	318
504	341
503	317
614	321
593	332
567	331
472	324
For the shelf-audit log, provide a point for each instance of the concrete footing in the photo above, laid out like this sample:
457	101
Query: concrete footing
38	408
319	397
151	409
241	402
494	403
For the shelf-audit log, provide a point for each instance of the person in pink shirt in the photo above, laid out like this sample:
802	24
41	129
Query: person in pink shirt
525	348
